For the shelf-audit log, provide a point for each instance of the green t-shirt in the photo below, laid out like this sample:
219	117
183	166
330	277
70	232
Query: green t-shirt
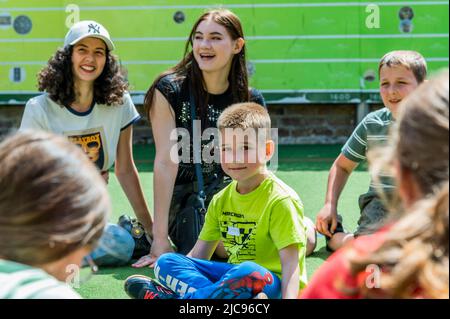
372	132
19	281
255	226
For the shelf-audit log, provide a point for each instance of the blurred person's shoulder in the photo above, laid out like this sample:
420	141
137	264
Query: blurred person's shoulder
19	281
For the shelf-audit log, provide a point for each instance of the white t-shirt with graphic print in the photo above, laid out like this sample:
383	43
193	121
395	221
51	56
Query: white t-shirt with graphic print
96	131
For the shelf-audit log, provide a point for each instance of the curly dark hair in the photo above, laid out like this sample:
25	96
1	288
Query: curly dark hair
56	78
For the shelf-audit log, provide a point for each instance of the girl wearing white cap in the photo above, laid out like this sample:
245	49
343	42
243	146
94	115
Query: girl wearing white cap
86	100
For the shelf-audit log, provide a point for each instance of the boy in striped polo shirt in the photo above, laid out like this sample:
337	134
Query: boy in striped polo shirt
400	72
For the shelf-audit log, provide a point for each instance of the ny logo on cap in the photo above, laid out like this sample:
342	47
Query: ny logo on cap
94	28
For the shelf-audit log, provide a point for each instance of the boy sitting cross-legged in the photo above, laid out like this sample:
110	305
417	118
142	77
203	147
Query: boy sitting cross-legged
257	217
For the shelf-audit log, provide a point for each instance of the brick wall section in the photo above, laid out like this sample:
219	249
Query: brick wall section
10	116
297	124
313	124
142	133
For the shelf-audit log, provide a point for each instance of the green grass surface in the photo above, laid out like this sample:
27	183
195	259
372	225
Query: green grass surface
304	168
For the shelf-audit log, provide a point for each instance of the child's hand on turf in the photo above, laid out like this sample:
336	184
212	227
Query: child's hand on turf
159	247
327	217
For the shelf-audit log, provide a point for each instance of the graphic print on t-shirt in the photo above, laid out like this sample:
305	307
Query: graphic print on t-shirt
92	144
239	237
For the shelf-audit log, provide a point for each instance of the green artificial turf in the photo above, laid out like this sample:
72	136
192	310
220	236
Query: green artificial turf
303	167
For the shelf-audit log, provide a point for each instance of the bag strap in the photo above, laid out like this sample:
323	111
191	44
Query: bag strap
216	181
196	154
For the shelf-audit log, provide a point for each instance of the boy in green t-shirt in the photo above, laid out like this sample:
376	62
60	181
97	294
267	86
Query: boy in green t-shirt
400	72
258	218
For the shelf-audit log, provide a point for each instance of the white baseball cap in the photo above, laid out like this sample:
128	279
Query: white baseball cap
86	29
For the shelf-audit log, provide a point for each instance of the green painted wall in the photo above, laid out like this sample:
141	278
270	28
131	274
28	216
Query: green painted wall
301	51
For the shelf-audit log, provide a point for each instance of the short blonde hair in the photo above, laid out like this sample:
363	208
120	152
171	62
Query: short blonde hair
245	116
411	60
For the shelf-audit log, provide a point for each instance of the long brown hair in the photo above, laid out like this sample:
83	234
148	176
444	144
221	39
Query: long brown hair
414	254
52	199
188	67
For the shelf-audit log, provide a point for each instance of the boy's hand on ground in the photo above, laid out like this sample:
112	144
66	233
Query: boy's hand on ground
159	247
325	218
147	260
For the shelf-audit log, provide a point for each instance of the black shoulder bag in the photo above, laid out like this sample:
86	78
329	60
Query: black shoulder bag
190	219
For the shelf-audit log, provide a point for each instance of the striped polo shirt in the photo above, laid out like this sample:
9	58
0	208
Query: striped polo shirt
18	281
373	131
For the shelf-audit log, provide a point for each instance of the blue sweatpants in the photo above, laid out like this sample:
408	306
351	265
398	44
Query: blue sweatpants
193	278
